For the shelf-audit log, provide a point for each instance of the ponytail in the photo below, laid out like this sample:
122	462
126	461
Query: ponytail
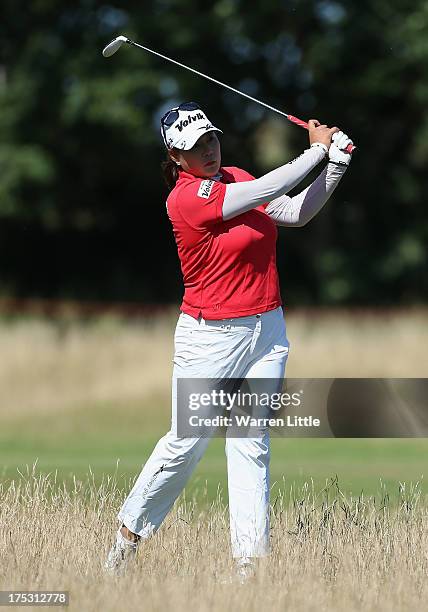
170	172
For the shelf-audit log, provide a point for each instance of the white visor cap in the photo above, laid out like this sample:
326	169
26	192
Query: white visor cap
187	129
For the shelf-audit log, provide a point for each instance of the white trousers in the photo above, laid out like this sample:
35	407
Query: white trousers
255	346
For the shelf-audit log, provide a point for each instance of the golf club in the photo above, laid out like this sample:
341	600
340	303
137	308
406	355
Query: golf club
116	43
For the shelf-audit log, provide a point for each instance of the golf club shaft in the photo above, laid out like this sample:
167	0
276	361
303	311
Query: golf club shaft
291	118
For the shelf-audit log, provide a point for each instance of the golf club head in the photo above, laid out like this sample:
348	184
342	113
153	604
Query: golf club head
114	45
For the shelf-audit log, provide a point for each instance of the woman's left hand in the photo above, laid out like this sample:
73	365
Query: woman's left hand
336	152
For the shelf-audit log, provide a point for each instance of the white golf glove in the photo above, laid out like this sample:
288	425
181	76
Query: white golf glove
336	152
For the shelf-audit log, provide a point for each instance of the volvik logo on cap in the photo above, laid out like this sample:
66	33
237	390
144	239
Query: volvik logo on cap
185	122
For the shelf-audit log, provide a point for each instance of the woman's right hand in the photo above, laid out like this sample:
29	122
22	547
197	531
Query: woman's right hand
320	133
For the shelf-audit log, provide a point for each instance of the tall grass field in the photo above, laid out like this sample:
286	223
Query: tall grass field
82	403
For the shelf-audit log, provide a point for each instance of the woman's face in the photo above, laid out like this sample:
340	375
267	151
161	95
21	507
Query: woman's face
203	159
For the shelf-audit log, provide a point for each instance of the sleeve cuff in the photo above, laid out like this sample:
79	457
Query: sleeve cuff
320	144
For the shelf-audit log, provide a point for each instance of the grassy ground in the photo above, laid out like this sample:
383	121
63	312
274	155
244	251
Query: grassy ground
94	438
78	395
88	402
328	552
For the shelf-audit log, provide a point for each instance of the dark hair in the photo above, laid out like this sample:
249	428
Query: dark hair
170	172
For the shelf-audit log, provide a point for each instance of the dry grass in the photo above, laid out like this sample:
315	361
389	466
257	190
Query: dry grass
358	343
328	552
49	367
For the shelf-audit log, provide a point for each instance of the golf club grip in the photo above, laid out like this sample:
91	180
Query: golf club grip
350	148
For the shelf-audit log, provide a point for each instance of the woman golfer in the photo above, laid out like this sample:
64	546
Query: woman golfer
231	323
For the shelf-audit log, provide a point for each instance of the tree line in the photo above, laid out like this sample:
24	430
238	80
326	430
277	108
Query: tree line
82	202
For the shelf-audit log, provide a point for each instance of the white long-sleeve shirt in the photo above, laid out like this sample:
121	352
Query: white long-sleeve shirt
273	187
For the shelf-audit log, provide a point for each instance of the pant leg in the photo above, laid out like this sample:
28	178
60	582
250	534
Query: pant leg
174	458
248	458
161	481
201	351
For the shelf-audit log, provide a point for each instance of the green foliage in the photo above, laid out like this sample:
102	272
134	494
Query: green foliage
22	168
80	149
